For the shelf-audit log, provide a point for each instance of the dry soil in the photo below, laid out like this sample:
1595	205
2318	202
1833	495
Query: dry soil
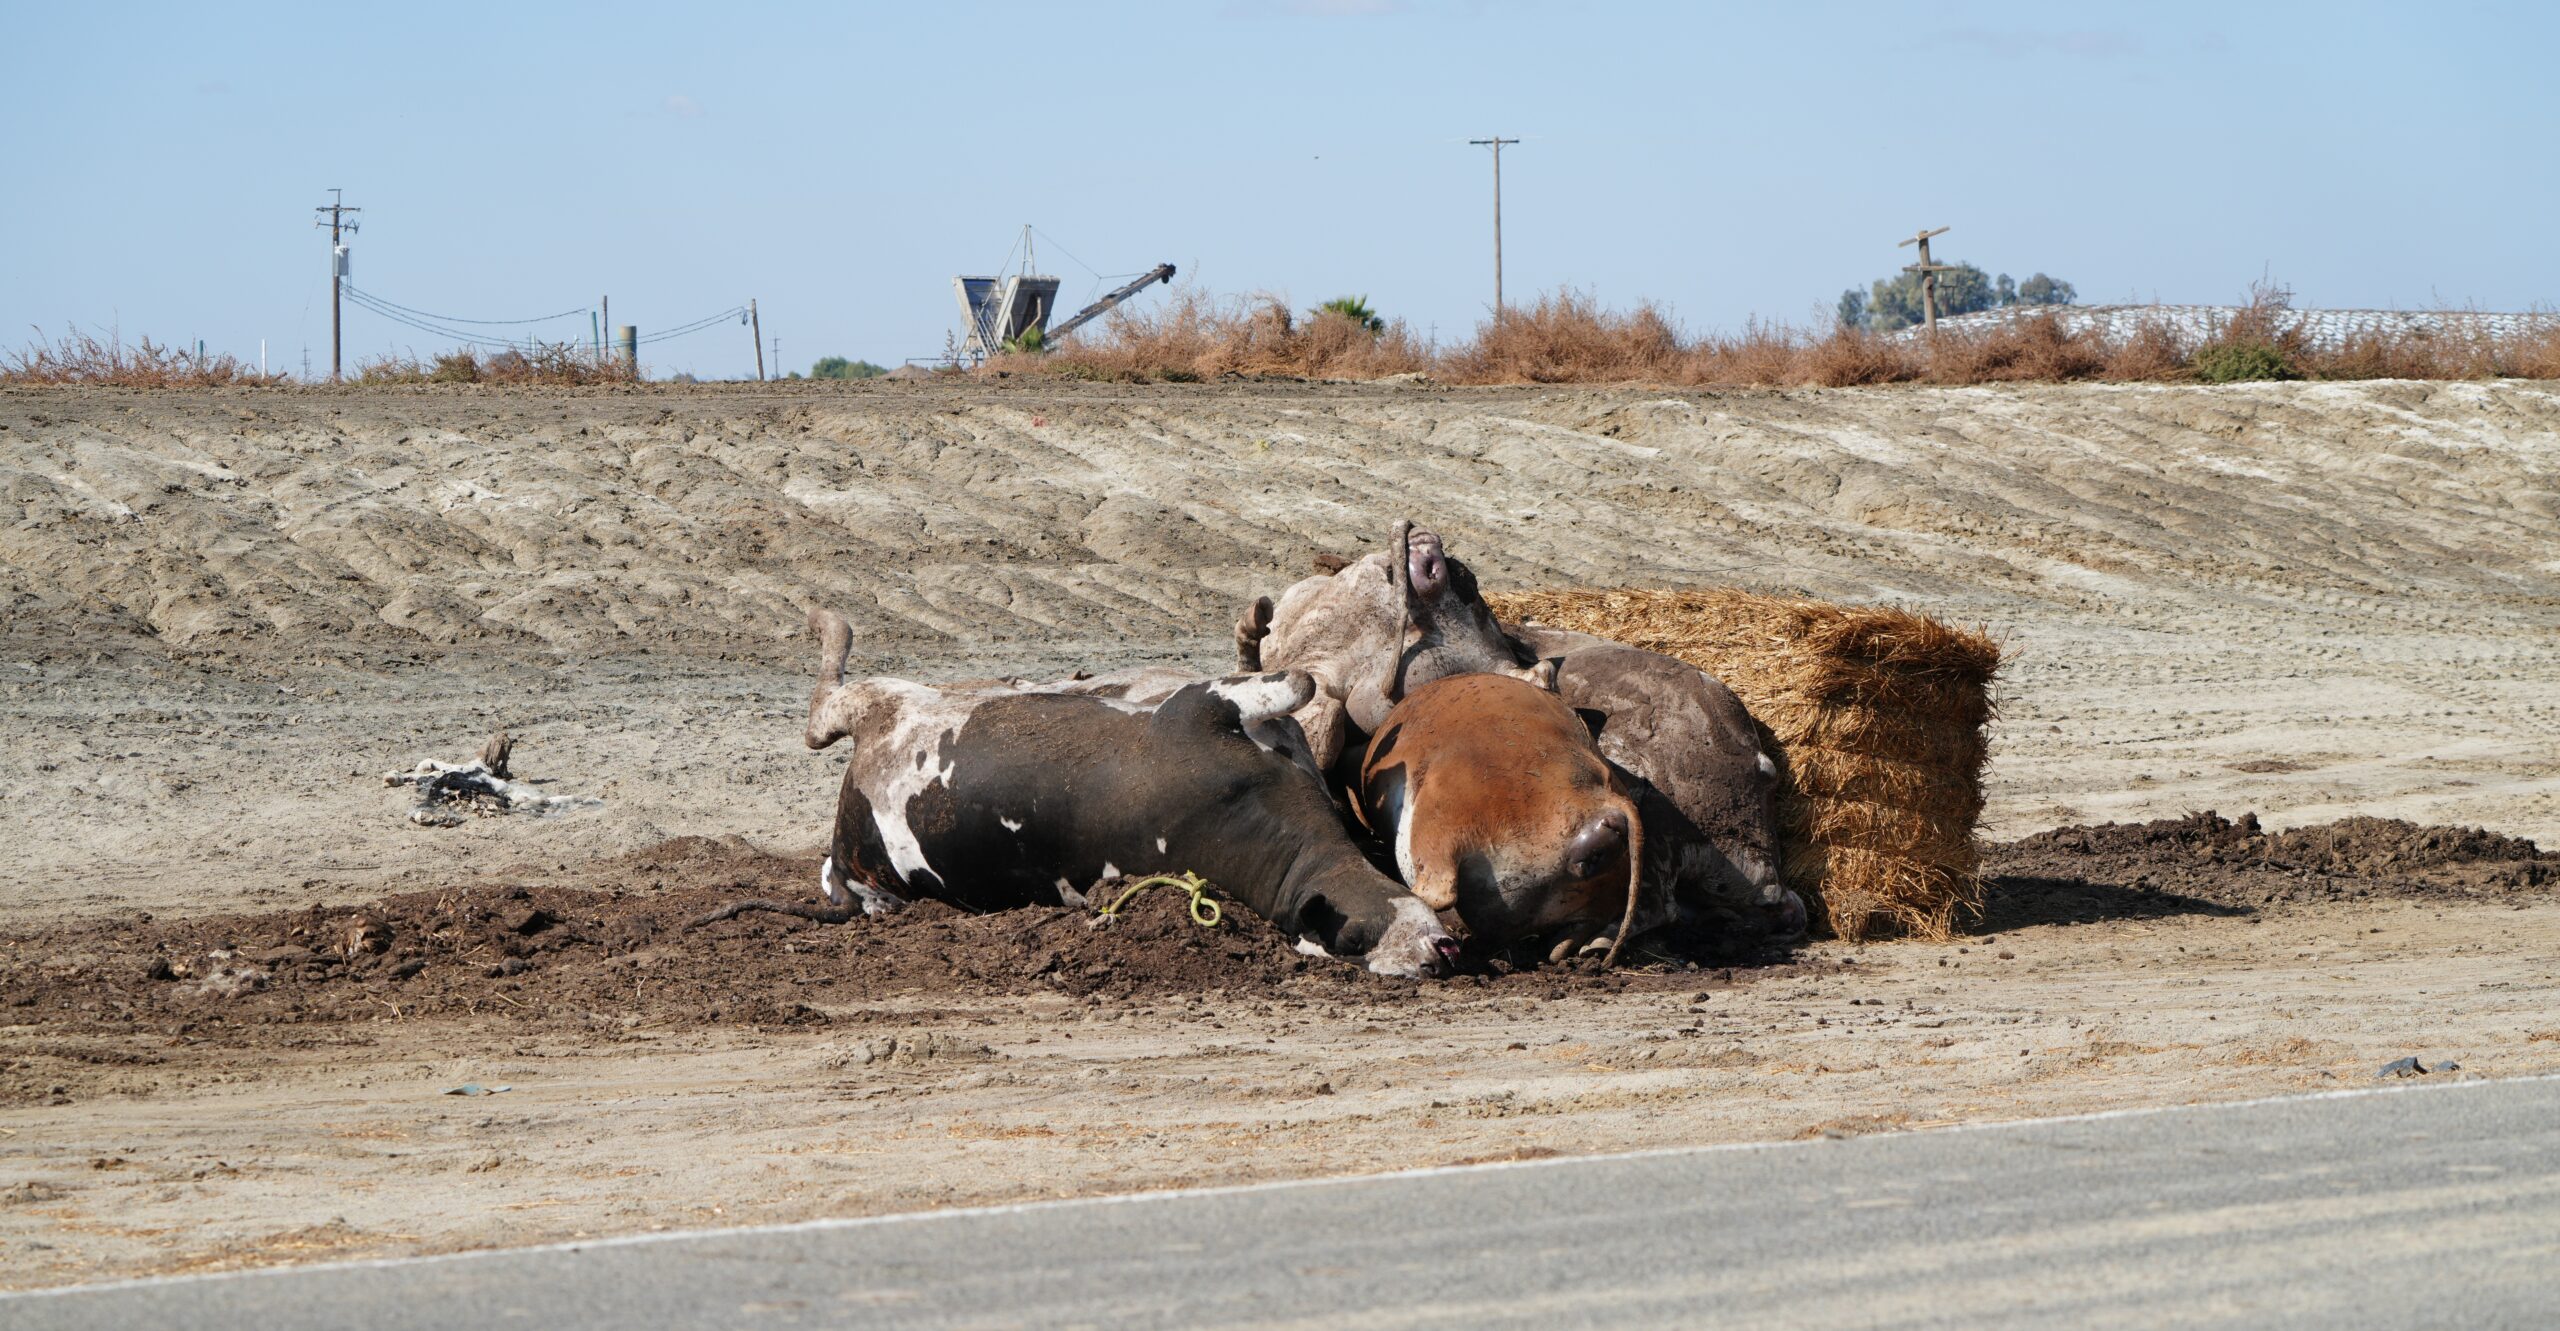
238	983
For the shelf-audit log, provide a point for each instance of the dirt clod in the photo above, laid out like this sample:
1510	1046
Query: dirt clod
2205	863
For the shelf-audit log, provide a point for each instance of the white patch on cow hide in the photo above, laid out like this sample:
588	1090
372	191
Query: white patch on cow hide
1009	824
1767	768
900	761
1308	947
1160	845
1261	697
1399	810
1109	872
1069	896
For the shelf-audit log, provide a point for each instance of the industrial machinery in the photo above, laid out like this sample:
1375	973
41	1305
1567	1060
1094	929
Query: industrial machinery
1003	313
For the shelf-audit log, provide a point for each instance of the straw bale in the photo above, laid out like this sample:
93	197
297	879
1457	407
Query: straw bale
1877	716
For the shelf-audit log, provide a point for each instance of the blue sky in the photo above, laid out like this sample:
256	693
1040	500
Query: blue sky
839	163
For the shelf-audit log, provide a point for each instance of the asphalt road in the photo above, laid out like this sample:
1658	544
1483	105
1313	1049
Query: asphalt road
2437	1205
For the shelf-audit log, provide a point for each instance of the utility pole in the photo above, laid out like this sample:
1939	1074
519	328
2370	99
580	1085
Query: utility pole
336	209
1496	143
1928	277
755	322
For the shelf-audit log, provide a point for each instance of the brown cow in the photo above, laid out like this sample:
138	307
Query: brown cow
1500	806
1707	788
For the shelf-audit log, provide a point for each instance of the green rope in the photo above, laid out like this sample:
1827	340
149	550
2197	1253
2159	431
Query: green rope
1204	912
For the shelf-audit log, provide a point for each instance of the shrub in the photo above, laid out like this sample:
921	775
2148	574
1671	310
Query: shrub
81	358
1193	335
562	364
2240	362
1569	337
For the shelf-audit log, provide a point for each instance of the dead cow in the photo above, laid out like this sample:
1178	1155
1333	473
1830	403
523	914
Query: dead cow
1147	687
1379	626
1705	785
997	798
1499	805
1707	789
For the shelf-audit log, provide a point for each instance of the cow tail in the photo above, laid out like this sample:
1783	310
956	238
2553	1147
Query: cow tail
1635	885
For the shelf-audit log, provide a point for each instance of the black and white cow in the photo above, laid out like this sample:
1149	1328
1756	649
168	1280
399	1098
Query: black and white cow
991	798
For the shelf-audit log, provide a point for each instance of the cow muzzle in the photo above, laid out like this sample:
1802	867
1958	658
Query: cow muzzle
1781	912
1597	846
1415	945
1426	566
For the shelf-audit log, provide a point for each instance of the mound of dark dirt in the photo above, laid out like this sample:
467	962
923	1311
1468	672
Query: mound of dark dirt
614	952
2206	863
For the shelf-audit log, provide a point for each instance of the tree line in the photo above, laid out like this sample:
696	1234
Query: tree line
1894	302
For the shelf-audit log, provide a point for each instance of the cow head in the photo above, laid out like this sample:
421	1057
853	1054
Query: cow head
1499	808
1444	626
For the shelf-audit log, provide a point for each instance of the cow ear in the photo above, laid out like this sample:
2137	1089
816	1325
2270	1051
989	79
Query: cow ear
1462	579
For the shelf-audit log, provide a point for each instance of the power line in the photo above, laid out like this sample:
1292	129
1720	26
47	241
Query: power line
436	324
458	319
737	312
368	303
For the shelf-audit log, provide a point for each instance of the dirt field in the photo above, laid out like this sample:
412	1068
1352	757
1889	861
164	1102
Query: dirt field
224	615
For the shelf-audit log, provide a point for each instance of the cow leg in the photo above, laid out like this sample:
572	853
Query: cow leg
833	709
1250	631
856	845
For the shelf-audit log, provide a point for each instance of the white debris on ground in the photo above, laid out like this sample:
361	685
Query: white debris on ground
2321	329
449	792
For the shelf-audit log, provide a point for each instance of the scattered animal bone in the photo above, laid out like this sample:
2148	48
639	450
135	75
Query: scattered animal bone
449	791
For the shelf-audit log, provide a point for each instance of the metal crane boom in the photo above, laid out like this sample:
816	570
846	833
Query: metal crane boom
1162	272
